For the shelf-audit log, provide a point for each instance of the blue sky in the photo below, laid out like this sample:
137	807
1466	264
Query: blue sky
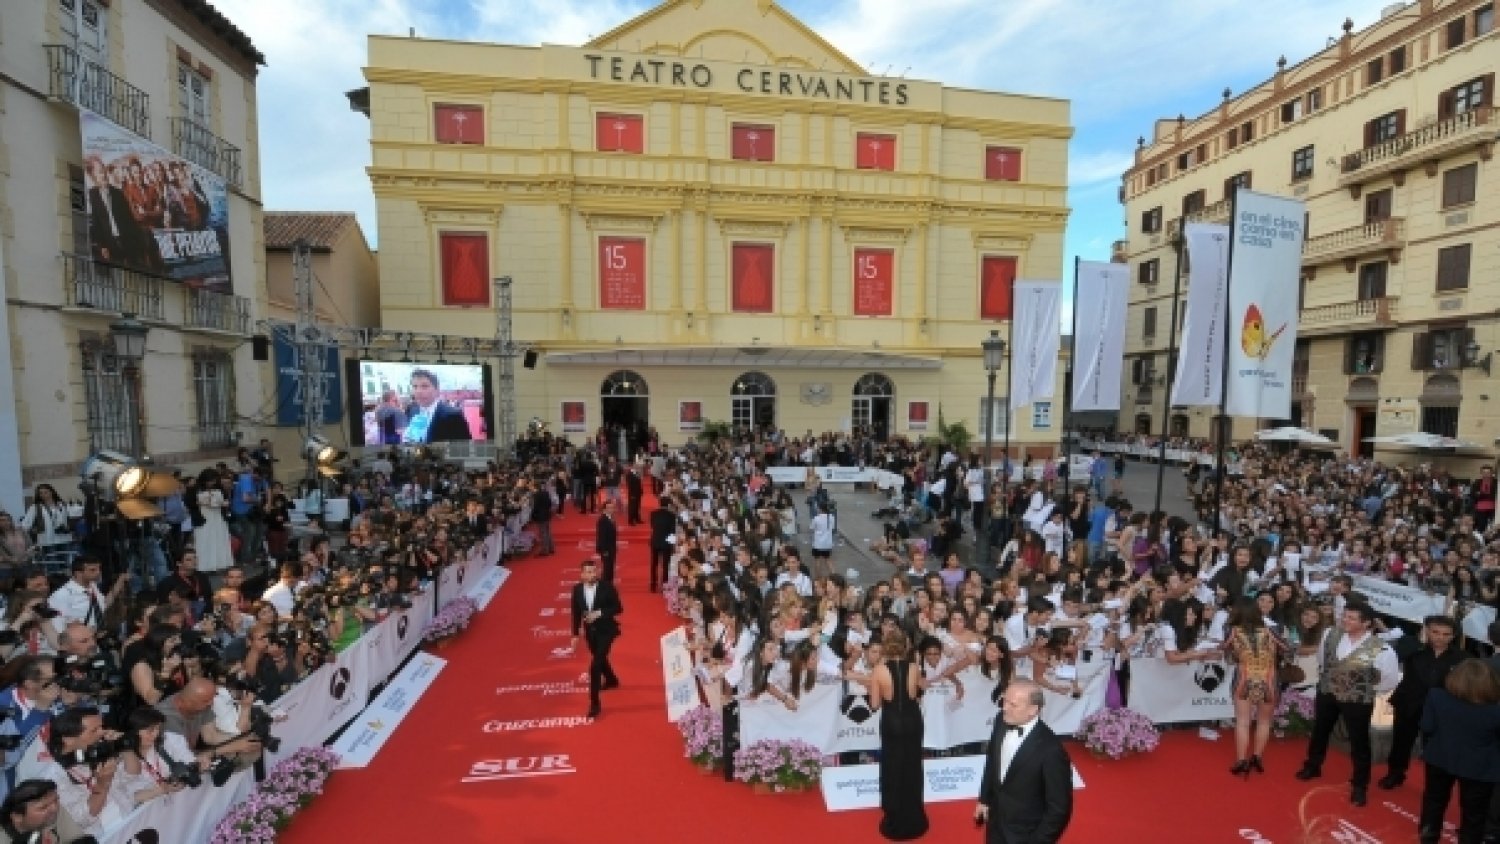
1122	63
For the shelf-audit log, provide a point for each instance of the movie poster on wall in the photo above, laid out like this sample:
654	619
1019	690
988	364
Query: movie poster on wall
153	212
690	416
916	415
575	417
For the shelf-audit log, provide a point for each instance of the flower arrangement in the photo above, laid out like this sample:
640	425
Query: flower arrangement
702	731
287	788
1117	733
451	620
1294	715
674	600
781	765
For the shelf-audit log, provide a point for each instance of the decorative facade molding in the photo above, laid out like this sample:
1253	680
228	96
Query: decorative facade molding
752	228
643	224
874	234
1001	242
458	214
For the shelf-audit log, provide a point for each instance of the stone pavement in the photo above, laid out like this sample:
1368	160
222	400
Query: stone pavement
858	529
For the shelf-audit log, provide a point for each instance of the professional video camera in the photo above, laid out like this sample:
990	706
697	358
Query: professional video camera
94	675
97	753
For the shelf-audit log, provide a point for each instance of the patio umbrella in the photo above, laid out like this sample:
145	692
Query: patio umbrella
1290	434
1423	441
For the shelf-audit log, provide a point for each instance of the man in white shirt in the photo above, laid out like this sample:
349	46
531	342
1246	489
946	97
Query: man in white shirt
1038	508
1024	630
1354	667
283	594
79	600
794	575
1024	796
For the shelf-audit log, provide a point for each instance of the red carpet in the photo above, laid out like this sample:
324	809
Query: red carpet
629	782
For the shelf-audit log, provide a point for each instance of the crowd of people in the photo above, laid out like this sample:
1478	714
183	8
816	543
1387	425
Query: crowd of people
122	684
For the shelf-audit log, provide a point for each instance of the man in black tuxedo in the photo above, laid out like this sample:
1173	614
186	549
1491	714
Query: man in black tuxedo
633	493
605	542
1026	793
663	526
595	605
475	519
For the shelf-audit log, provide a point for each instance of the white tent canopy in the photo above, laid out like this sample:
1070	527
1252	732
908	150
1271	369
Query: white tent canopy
1290	434
1423	441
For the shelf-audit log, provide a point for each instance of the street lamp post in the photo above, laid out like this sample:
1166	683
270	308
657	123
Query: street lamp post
994	358
129	336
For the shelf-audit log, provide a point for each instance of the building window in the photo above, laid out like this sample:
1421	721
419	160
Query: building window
465	268
622	273
752	142
109	399
754	279
1440	348
1302	164
1442	421
1149	272
1041	415
1386	127
1455	32
1151	221
875	152
213	387
1397	60
1194	202
458	124
997	280
1314	100
194	94
1364	354
1373	71
1148	323
1002	164
1291	110
1461	99
1484	20
1458	185
78	210
620	133
1378	206
1372	281
84	24
1235	182
1453	267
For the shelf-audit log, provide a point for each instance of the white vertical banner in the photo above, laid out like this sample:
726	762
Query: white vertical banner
1099	299
1200	356
1035	335
1267	249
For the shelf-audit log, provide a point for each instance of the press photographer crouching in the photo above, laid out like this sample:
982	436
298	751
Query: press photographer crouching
191	714
154	762
33	815
82	760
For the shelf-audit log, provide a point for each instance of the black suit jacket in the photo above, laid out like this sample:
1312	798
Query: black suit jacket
606	601
448	423
1421	672
663	525
604	536
1461	738
1035	803
633	485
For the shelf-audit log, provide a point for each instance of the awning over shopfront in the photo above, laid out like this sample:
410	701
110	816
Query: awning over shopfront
758	357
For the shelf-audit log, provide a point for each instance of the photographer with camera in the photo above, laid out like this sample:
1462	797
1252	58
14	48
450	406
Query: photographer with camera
280	668
84	758
190	714
159	671
190	583
283	593
29	628
26	706
155	763
33	813
80	599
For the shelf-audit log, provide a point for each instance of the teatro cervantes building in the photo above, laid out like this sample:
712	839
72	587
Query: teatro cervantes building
711	213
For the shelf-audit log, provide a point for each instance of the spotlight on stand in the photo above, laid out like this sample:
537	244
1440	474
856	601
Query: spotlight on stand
320	451
122	481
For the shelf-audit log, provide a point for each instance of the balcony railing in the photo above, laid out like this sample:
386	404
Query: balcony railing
1344	317
102	287
1389	234
1299	384
1475	126
205	149
88	85
1218	212
217	311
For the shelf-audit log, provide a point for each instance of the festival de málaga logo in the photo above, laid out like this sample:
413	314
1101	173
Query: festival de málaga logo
1253	337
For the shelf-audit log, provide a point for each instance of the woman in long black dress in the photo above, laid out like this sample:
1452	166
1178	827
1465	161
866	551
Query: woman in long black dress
894	689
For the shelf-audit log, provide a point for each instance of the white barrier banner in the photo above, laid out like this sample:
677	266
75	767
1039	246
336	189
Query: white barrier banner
856	727
321	703
188	815
1063	713
858	786
1176	694
812	721
364	738
827	474
950	720
485	590
1411	604
677	670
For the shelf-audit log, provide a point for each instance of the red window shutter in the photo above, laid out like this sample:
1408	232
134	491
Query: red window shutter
753	143
875	152
754	266
458	124
1002	164
874	282
622	273
620	133
466	268
1400	122
997	282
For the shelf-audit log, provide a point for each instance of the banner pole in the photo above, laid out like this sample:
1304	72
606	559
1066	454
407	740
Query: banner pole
1179	243
1067	444
1222	421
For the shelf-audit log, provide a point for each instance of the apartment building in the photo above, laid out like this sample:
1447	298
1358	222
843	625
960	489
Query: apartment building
1388	136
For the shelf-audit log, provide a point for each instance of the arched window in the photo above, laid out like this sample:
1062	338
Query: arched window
624	383
753	384
874	384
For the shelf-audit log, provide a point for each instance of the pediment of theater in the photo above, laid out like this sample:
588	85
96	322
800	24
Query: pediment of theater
743	31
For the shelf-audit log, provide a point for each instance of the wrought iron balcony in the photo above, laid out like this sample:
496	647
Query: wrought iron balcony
1347	317
101	287
88	85
217	311
1218	212
1349	244
205	149
1426	145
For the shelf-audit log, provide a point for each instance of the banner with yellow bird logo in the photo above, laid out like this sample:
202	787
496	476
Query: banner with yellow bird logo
1266	236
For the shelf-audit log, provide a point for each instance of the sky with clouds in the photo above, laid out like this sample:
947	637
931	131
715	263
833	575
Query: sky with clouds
1122	63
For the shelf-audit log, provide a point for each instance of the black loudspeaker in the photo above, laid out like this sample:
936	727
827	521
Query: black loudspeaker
530	360
260	345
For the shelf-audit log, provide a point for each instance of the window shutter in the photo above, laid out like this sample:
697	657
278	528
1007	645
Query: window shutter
1445	105
1421	351
1349	356
1400	122
1466	336
1369	133
1487	96
1002	164
620	133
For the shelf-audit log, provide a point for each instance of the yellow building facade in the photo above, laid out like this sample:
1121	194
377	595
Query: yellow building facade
1388	136
710	213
